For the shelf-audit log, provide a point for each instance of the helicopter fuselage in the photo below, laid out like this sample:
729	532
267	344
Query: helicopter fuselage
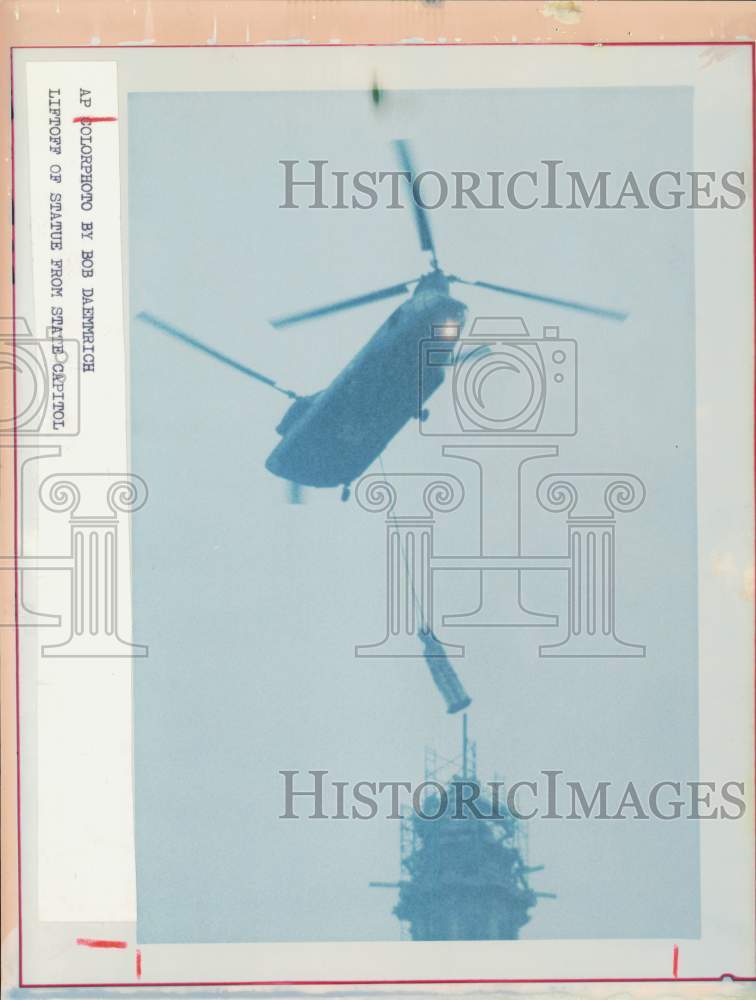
331	437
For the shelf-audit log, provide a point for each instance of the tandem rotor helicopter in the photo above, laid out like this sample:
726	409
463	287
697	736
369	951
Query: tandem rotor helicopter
329	438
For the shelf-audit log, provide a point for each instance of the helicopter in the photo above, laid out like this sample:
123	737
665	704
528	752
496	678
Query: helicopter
329	438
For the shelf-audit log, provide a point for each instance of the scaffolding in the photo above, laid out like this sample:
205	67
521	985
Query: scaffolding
463	877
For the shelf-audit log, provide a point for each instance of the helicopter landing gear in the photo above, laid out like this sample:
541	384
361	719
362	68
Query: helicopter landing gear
346	492
295	493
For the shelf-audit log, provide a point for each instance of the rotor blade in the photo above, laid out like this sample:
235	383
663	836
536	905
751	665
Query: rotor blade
565	303
358	300
421	218
159	324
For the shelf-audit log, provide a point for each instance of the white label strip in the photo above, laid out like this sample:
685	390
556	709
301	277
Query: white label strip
85	838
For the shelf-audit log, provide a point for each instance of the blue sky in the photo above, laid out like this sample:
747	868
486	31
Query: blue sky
251	606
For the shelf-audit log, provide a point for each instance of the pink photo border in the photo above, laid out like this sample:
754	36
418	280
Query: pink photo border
12	853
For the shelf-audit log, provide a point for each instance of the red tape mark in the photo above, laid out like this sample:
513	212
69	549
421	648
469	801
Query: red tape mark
94	118
675	960
100	943
138	964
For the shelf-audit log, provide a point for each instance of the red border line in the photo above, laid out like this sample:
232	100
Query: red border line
90	119
315	982
377	982
376	45
16	582
101	943
753	376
